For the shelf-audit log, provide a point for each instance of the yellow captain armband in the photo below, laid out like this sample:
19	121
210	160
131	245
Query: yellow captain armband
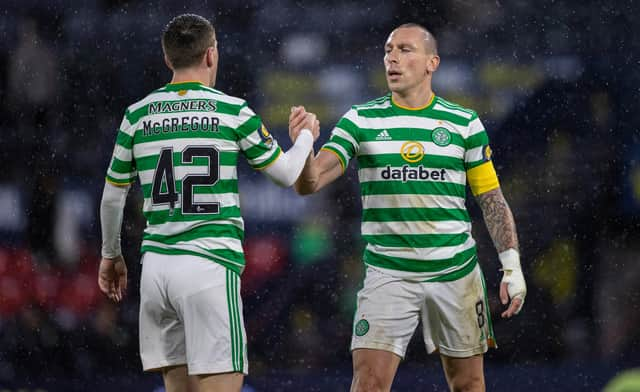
482	178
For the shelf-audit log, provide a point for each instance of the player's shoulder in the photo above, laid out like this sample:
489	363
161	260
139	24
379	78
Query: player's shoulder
139	108
226	98
457	111
377	103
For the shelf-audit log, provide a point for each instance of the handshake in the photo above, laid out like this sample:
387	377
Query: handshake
300	119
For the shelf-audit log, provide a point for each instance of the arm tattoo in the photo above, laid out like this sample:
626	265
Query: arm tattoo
499	220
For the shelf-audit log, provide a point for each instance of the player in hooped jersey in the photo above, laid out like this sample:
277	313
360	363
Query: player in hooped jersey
182	142
416	153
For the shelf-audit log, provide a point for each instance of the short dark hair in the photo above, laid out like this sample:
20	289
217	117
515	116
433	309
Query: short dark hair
431	46
186	38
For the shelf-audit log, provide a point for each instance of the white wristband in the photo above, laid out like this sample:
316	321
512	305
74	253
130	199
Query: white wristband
286	169
510	260
306	130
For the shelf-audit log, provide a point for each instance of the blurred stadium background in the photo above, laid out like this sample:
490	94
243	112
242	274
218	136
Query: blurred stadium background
556	83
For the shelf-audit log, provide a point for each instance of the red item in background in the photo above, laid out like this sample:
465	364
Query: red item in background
266	258
16	281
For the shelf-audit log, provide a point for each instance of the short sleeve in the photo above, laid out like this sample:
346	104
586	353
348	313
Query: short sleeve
122	169
477	150
344	140
256	143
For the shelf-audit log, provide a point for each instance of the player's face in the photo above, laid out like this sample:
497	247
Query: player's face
407	63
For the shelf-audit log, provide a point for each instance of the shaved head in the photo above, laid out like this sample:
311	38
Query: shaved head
430	43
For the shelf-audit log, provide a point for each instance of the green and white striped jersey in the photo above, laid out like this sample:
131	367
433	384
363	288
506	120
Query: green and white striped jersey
182	141
412	166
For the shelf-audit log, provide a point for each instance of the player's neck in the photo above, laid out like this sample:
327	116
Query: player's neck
191	75
415	98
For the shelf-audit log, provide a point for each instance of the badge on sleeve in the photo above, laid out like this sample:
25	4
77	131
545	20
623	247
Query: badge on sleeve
265	136
486	153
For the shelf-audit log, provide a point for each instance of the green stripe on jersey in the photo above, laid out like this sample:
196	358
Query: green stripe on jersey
167	216
124	140
222	186
339	154
393	111
268	161
220	256
458	274
414	214
411	188
477	140
412	265
416	135
471	165
204	231
416	240
122	167
151	161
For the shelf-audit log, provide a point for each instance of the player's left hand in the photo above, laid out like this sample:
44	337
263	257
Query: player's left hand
512	287
112	278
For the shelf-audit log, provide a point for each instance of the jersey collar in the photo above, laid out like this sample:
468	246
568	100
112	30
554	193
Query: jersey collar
428	105
188	85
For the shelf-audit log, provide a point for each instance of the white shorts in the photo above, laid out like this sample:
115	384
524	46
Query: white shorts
455	316
191	313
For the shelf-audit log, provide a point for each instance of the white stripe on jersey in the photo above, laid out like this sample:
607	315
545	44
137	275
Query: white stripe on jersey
227	120
394	147
182	227
343	134
416	227
412	201
375	174
474	154
338	147
122	153
264	157
121	176
142	150
179	172
457	112
475	127
225	200
404	122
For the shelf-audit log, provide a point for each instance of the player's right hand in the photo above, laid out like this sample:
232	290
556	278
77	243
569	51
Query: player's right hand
297	119
315	130
112	278
311	123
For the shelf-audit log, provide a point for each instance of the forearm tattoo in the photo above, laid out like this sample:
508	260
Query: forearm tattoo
499	220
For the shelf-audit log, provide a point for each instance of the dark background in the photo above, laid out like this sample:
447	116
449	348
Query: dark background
555	83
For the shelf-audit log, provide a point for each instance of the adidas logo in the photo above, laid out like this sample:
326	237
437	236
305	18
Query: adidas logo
384	135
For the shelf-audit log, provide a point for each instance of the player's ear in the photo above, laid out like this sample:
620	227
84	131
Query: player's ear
432	63
211	56
167	62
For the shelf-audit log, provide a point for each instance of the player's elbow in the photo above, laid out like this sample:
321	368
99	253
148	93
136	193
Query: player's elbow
305	188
